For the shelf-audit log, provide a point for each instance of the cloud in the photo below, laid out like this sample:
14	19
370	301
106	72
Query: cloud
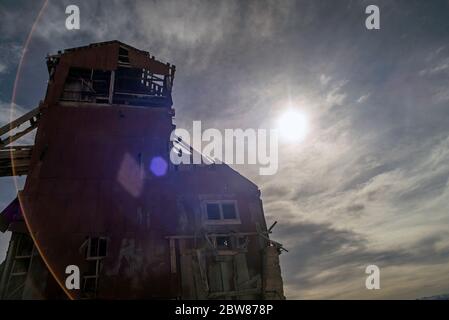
336	96
363	98
441	67
325	79
356	208
10	56
10	112
324	257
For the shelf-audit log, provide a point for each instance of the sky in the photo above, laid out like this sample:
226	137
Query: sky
368	185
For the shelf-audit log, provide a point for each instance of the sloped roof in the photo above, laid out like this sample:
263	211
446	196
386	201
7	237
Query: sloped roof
104	55
104	43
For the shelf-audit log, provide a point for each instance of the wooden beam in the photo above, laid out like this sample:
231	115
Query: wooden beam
18	135
111	87
238	234
16	123
173	255
243	292
15	160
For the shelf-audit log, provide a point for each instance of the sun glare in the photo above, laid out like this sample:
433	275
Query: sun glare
293	125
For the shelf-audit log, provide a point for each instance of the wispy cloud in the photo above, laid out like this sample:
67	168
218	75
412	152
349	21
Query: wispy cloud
363	98
336	95
324	79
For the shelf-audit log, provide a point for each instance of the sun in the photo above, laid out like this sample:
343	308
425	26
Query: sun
293	125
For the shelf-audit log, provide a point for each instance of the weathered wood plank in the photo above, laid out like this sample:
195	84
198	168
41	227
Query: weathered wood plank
16	123
173	255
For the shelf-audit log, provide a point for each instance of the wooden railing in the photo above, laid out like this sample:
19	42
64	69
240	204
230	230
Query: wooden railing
15	160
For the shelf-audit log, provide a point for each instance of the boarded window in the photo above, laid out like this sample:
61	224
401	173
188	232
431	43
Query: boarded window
87	85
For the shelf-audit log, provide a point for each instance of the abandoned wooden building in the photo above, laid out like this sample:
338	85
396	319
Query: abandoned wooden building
102	194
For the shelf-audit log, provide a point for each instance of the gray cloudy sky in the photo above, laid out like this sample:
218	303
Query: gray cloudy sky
368	185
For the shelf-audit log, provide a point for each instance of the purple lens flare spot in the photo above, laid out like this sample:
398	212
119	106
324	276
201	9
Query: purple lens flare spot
158	166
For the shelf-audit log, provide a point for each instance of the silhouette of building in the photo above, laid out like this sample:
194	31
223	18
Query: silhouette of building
102	194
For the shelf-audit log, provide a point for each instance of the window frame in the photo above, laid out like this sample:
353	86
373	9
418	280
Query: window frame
220	221
89	246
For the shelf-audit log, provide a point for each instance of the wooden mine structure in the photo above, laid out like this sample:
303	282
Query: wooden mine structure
102	194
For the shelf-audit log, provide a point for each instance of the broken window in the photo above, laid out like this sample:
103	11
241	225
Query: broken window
221	211
96	248
15	275
90	285
87	85
91	278
223	243
123	57
126	85
229	242
141	87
